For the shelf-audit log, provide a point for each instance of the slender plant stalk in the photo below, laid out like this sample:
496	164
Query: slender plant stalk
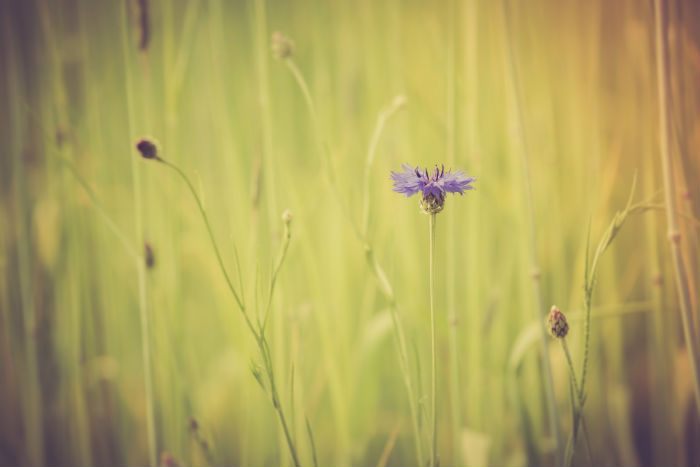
578	405
232	288
452	320
433	444
311	442
265	351
384	284
674	234
547	380
258	333
140	266
31	399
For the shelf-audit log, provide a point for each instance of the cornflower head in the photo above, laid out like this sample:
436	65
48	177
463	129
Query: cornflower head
433	186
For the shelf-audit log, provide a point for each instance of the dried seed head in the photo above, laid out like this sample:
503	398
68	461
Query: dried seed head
148	255
144	24
282	46
148	148
287	217
557	325
192	424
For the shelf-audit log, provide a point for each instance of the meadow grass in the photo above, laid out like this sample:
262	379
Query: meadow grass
552	106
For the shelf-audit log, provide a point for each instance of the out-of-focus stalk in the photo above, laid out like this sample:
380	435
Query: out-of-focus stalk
140	266
674	234
547	381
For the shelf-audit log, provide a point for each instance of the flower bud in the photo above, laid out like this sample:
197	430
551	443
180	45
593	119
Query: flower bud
148	256
557	325
287	216
148	148
282	46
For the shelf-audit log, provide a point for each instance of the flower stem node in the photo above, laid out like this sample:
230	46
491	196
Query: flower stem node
282	46
558	327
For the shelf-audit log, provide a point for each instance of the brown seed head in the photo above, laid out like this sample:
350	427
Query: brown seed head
282	46
148	148
557	325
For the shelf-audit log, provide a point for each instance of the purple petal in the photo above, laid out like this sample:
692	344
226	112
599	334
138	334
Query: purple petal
457	182
407	182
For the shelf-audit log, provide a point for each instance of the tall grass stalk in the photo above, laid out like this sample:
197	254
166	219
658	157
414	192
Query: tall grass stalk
663	73
514	85
452	320
590	276
32	402
384	284
138	222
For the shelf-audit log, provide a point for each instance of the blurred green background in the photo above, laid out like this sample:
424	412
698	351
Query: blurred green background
570	88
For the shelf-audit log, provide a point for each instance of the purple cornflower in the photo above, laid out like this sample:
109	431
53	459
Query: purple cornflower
433	186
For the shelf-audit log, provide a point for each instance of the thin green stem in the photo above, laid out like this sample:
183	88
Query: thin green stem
433	448
231	287
265	351
579	398
280	259
311	442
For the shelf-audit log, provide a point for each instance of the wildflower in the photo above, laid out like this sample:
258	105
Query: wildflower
557	325
282	46
148	148
433	186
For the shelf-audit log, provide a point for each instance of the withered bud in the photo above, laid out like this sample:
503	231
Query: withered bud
148	256
282	46
287	216
557	325
148	148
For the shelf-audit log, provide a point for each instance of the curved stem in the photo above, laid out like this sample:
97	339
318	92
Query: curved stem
273	281
265	351
231	287
433	445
